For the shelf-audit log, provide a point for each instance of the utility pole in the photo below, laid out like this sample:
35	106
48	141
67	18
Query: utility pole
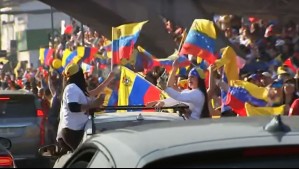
52	26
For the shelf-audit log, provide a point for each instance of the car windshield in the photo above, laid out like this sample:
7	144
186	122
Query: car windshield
113	121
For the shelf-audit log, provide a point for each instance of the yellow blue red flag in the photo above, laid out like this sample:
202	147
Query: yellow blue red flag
134	90
263	111
46	56
201	40
69	57
124	38
241	92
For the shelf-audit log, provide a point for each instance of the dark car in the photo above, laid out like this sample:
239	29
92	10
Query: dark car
228	142
21	120
6	159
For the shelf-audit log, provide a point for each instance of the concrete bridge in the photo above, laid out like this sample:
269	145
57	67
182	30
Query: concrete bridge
101	15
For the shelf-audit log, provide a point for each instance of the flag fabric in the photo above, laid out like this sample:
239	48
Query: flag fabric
111	97
46	56
134	90
201	40
263	111
229	61
102	61
241	92
146	61
69	57
230	71
87	68
107	46
86	54
124	38
289	64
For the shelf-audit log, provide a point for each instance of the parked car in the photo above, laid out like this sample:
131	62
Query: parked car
6	159
228	142
21	120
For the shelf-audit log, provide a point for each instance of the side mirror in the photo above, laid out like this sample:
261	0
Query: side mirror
6	143
49	151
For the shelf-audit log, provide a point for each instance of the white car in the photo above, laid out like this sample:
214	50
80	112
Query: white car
113	121
228	142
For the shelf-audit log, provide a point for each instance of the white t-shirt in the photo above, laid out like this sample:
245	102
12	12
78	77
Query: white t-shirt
74	121
193	98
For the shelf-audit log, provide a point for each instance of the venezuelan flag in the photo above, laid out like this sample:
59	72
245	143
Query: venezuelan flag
102	61
230	71
241	92
144	59
87	68
69	57
201	40
289	63
46	56
263	111
107	46
135	90
124	38
86	54
111	97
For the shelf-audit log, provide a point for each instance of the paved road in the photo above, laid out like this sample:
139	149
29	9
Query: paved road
41	163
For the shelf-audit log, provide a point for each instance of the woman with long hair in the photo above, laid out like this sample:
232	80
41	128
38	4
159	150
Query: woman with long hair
195	97
76	101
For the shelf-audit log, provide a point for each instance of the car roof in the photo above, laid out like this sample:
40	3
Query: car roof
17	92
106	117
146	143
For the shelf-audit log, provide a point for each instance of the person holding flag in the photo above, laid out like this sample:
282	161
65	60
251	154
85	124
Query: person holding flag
195	97
76	102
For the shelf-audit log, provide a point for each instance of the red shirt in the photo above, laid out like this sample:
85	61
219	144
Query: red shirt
294	110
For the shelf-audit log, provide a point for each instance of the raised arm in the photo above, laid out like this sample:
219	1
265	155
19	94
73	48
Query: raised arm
51	86
171	80
101	87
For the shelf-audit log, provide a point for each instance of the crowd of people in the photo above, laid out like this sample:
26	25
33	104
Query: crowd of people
271	54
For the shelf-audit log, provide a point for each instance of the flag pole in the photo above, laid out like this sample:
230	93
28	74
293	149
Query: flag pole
112	48
184	36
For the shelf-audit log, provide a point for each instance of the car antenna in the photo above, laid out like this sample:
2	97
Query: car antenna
140	117
277	125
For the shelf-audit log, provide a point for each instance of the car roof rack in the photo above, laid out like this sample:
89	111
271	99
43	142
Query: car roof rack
178	108
139	107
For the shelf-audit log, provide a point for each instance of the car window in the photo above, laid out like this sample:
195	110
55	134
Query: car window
82	159
17	106
100	161
232	158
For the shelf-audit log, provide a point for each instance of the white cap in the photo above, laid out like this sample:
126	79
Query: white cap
267	74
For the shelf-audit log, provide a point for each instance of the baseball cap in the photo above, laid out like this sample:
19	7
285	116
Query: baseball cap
197	72
267	74
278	83
71	69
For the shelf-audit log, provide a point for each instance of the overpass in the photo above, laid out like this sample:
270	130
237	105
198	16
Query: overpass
101	15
